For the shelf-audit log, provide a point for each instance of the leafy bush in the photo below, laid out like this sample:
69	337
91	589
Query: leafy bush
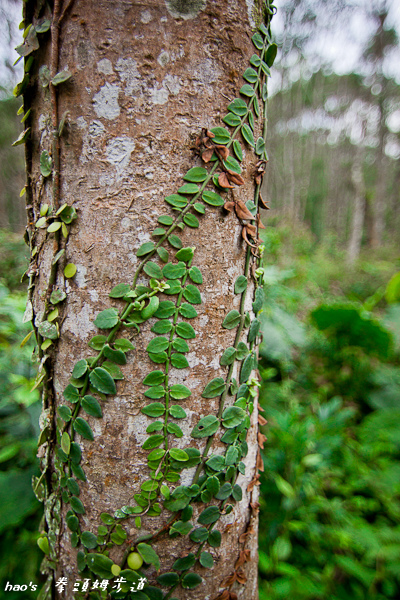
330	491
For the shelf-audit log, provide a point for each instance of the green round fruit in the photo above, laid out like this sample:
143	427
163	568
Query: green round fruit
134	561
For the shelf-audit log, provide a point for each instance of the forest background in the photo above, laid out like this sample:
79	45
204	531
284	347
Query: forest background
330	357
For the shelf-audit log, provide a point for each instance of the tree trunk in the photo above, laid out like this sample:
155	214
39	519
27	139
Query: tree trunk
359	203
122	95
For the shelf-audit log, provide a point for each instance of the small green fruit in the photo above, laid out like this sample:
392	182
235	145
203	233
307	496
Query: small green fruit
134	561
115	570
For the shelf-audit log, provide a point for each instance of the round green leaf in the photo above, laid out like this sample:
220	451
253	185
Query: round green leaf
106	319
214	388
102	381
196	175
207	426
69	270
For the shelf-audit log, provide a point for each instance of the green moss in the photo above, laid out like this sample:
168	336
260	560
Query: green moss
187	9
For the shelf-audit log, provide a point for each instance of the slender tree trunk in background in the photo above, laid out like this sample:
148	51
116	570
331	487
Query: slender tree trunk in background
358	216
378	205
111	142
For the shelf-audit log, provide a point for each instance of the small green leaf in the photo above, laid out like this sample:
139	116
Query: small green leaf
46	164
221	135
247	90
248	134
247	367
238	107
154	378
83	428
155	392
174	271
65	442
213	485
238	150
213	198
240	284
61	77
91	406
163	254
168	579
151	308
207	426
89	540
158	231
260	146
258	41
153	270
65	412
106	319
119	290
206	560
237	493
156	409
69	270
48	330
199	535
195	275
176	411
214	538
124	345
198	207
185	563
178	454
228	357
145	248
102	381
176	201
187	311
189	188
77	505
179	391
71	394
231	320
185	330
175	241
192	294
233	416
161	327
209	515
97	342
80	368
241	351
196	175
255	60
191	220
149	555
158	344
250	75
270	55
153	442
232	120
214	388
165	220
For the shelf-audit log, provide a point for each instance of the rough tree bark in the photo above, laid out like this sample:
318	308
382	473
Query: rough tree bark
122	94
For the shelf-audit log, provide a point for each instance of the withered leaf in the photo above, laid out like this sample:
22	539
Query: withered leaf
210	134
242	211
224	596
229	205
207	154
223	181
246	239
244	557
241	577
222	152
230	580
259	222
252	483
261	420
261	439
262	202
243	537
259	463
235	177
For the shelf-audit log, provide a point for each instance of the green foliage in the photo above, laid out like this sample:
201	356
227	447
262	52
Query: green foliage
330	508
19	415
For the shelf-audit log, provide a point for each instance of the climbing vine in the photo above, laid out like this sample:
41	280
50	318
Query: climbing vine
171	271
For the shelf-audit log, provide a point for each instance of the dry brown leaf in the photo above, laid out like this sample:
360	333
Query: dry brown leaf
223	181
252	483
233	596
261	420
246	239
242	211
261	438
251	230
244	557
243	537
229	580
255	507
207	154
241	577
258	179
263	202
229	205
260	408
235	177
222	152
259	463
210	134
259	222
224	596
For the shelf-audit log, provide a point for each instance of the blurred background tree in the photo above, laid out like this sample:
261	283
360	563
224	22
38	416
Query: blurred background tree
330	360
